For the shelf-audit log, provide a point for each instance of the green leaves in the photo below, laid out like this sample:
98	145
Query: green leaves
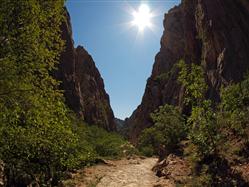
234	108
202	124
36	137
203	128
95	142
192	78
167	131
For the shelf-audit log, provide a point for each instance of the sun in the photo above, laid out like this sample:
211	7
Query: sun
142	17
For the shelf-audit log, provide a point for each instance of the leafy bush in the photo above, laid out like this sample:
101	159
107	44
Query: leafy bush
148	144
202	124
234	108
208	126
203	128
104	143
37	138
202	179
192	77
95	142
147	150
166	133
37	141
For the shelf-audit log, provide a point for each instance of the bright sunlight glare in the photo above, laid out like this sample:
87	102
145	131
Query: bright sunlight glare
142	17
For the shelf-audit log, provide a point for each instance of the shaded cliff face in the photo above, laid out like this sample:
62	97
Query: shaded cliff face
213	33
95	103
82	83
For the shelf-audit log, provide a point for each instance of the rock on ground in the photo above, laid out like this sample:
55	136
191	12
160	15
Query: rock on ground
173	168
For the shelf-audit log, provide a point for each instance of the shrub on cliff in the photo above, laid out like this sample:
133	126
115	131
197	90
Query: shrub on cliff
208	127
202	123
234	108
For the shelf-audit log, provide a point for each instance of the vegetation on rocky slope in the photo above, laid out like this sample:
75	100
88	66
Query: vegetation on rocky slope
40	139
167	132
211	130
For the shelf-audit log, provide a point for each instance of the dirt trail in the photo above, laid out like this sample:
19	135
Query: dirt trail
134	172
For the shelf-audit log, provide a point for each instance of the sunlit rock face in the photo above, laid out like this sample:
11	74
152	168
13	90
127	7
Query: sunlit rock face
82	83
213	33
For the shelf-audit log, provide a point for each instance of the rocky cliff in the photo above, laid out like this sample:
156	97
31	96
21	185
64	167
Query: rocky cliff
82	83
212	33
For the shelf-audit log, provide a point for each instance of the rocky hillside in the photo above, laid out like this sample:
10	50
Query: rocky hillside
211	33
82	83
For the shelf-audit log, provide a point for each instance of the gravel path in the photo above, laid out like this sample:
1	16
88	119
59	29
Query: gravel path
134	172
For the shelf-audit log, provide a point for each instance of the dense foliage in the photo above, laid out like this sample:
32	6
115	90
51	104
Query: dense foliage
202	123
209	127
95	142
165	134
191	76
40	139
214	134
234	107
37	136
36	139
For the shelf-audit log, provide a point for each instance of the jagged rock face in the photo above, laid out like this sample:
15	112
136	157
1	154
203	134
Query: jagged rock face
96	104
66	68
82	83
212	33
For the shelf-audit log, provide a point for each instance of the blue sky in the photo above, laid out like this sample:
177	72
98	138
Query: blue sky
123	57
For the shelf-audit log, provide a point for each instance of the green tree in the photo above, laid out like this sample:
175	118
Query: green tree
209	128
166	133
202	123
234	107
192	77
36	138
204	128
